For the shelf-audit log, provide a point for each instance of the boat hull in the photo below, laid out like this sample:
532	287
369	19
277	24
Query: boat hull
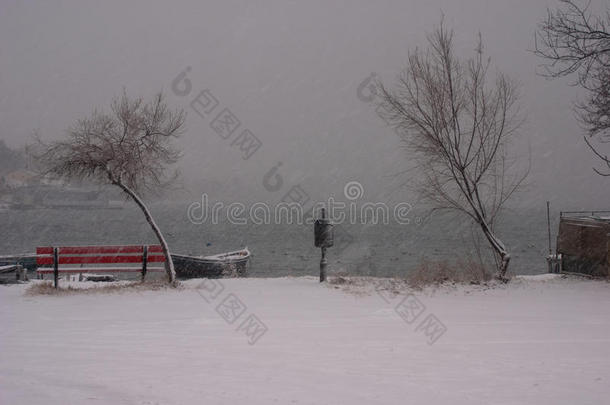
202	267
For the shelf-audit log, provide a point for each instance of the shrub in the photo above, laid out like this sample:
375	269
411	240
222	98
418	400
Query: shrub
47	288
462	271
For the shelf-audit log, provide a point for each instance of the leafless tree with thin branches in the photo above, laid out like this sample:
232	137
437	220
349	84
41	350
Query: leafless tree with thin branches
456	123
575	42
130	147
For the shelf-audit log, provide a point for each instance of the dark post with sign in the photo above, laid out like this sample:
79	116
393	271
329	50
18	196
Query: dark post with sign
323	235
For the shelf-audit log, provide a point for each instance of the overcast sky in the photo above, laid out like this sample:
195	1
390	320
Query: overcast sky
289	71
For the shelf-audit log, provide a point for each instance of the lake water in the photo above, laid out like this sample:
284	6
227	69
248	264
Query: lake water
281	250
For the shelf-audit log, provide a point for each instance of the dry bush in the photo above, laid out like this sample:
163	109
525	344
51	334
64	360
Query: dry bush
341	278
462	271
366	285
355	285
428	273
46	288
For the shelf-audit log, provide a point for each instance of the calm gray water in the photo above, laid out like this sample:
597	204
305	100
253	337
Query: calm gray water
280	250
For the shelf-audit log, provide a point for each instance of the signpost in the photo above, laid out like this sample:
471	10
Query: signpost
323	238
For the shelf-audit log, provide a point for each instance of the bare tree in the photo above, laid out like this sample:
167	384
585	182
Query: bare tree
576	43
456	124
130	147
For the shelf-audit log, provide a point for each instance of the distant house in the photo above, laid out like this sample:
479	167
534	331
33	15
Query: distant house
20	178
584	242
24	178
50	180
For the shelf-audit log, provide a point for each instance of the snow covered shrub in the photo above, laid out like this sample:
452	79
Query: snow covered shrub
47	288
463	271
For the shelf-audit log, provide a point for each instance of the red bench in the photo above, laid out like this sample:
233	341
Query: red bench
53	260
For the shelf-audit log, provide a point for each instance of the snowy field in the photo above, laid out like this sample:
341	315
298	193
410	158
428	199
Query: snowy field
537	341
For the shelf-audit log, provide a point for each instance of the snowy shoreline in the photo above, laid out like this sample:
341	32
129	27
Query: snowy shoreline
538	339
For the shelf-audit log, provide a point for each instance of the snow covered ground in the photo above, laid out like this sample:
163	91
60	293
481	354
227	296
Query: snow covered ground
539	340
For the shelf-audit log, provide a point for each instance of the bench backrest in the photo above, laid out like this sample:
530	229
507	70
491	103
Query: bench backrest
98	255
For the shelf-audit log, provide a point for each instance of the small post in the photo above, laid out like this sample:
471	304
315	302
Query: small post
323	264
21	273
144	262
56	267
323	238
323	261
548	221
608	257
549	257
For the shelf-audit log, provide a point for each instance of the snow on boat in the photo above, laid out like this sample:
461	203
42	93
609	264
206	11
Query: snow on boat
230	264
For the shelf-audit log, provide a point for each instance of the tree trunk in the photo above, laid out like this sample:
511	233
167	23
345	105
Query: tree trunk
169	264
504	266
498	248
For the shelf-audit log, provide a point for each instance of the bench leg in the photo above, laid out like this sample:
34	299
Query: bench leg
56	267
